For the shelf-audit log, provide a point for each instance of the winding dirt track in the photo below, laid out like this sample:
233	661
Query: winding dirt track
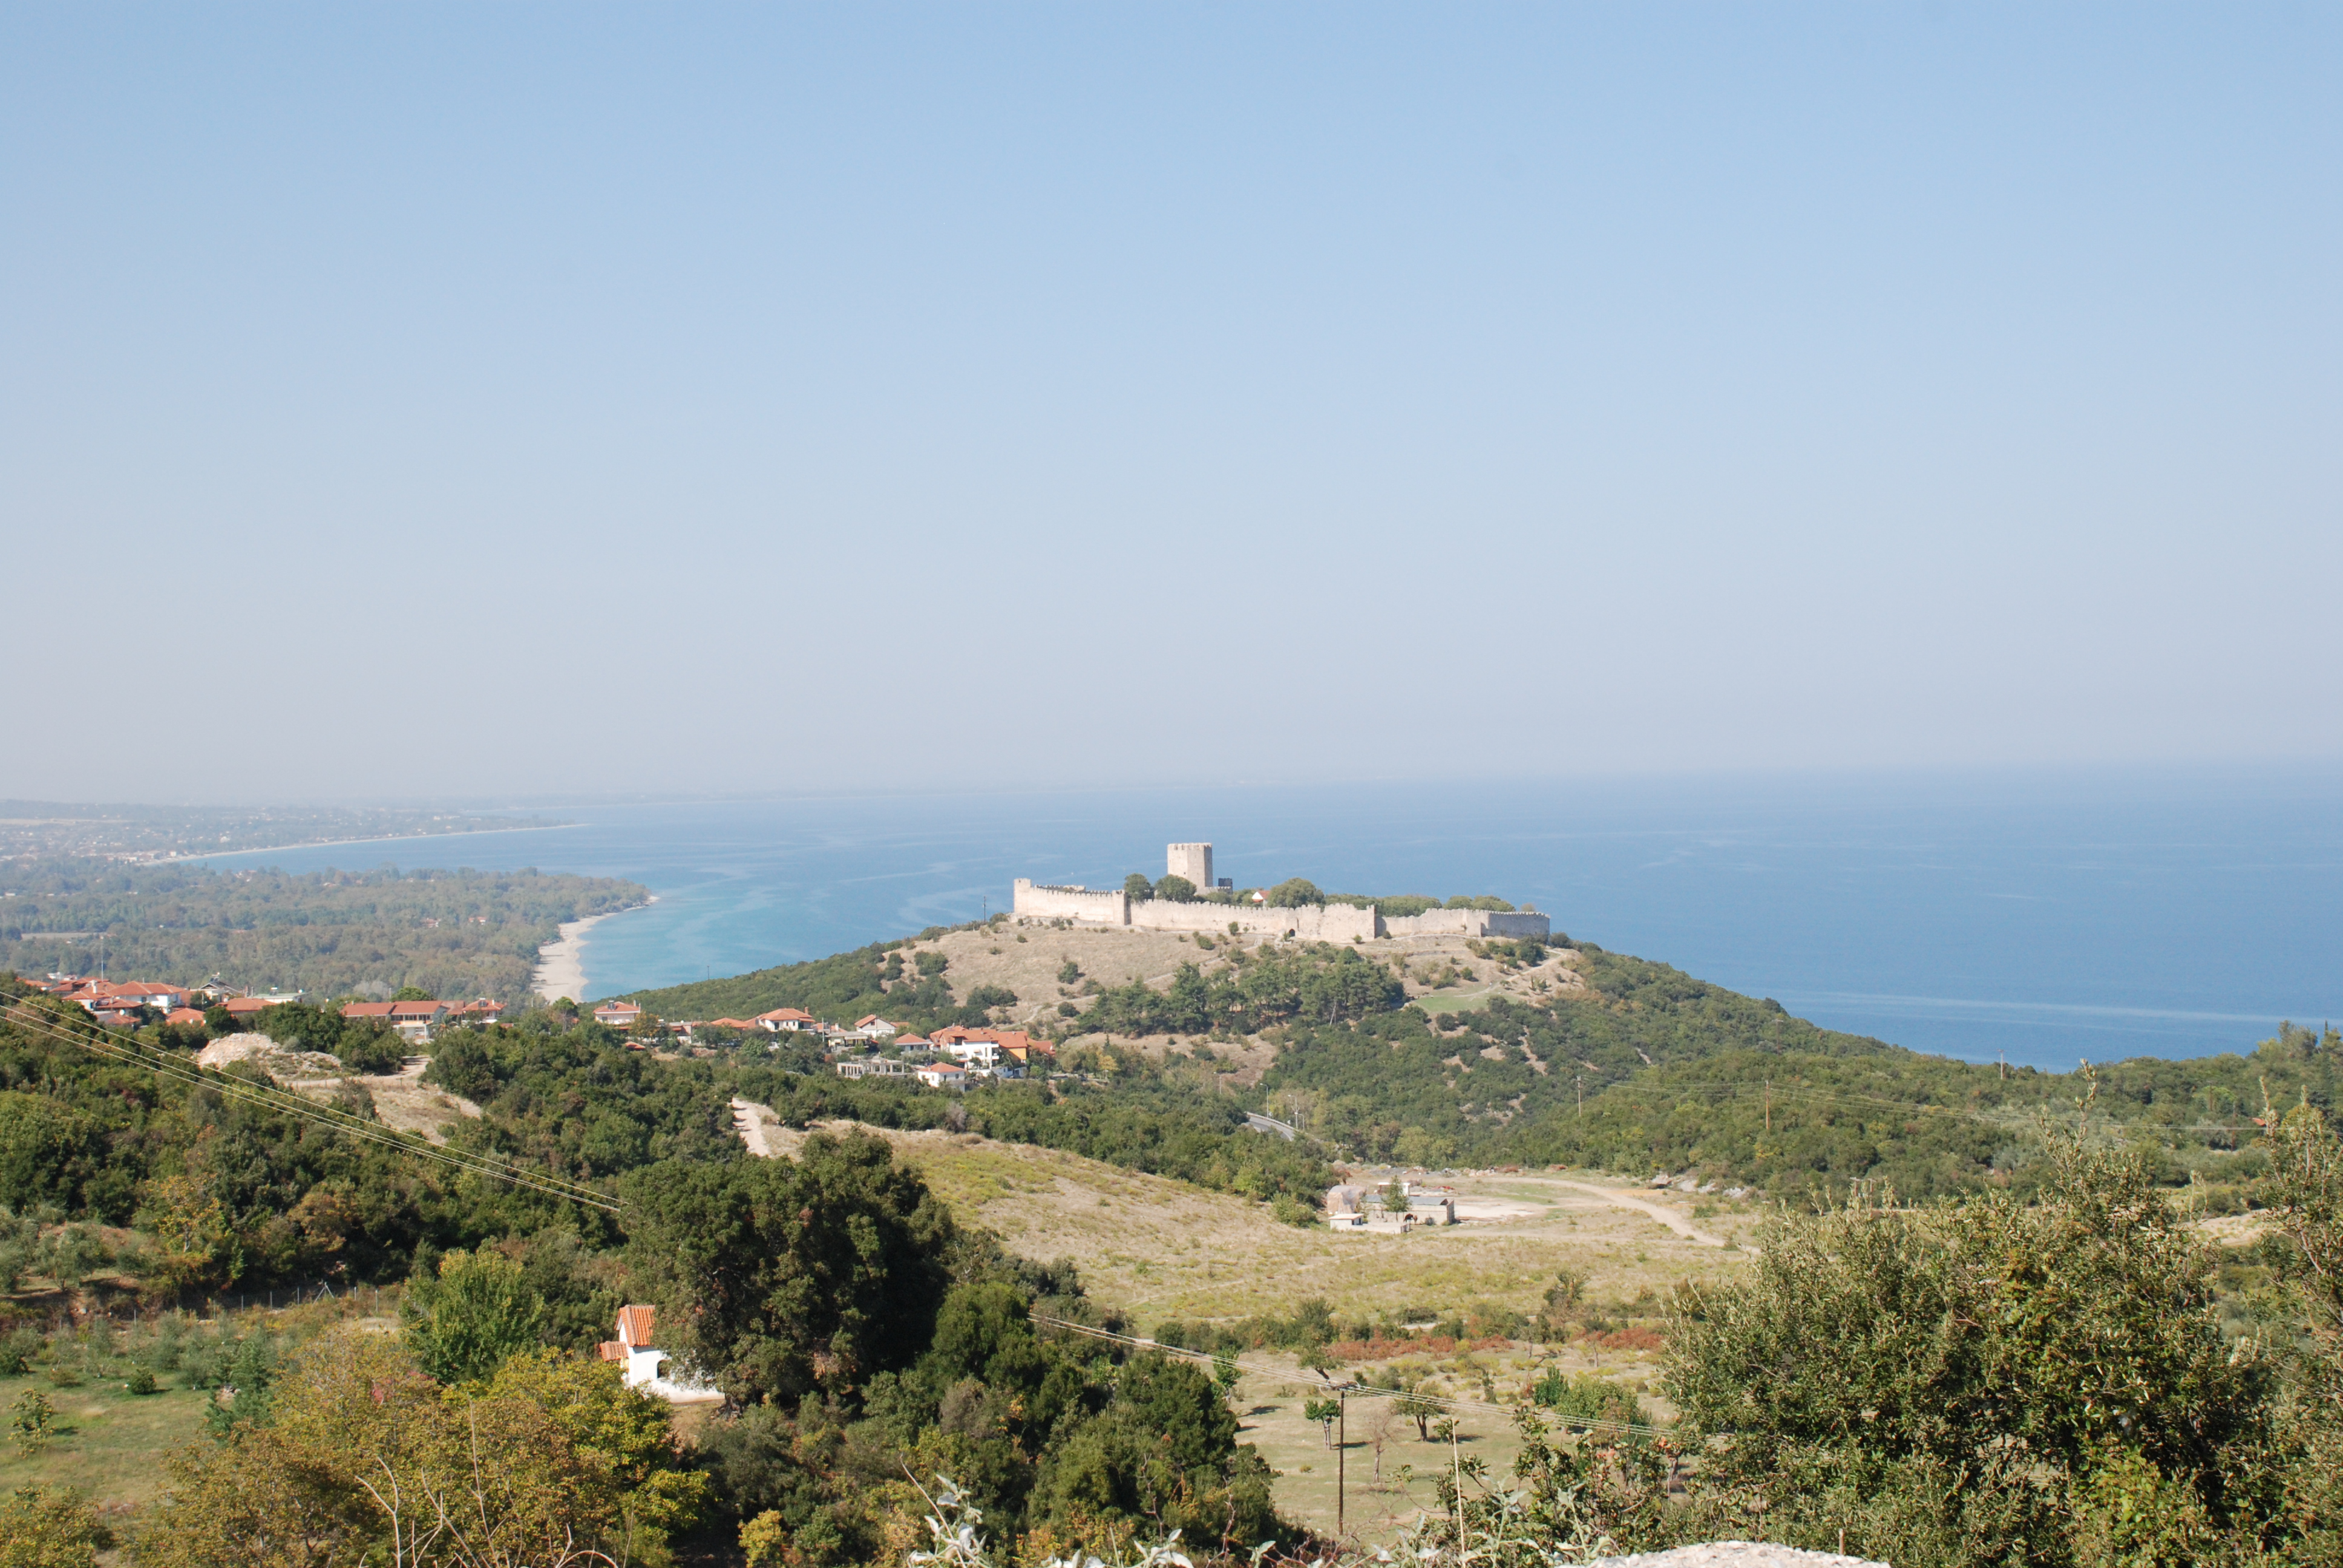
1672	1221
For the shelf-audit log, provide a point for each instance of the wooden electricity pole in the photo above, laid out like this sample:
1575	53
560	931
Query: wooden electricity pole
1769	1105
1456	1479
1342	1445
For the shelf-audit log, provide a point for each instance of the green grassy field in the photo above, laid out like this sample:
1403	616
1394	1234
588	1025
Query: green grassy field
108	1444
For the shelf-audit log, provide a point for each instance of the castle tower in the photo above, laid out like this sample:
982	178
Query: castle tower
1193	861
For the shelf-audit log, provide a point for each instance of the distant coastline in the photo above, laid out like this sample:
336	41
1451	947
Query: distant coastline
393	839
561	964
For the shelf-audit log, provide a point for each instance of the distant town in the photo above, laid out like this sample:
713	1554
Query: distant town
873	1047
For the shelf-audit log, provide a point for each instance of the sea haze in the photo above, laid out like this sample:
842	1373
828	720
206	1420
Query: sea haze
2046	920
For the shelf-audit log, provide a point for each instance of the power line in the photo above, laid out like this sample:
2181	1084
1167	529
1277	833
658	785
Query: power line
289	1104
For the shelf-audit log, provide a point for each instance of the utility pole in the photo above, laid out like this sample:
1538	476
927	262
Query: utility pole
1769	1107
1582	1097
1456	1474
1341	1452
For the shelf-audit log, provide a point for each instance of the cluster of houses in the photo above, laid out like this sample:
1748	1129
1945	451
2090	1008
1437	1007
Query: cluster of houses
948	1059
873	1048
128	1003
1355	1208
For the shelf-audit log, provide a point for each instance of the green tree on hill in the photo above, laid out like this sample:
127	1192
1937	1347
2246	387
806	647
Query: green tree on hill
478	1314
1137	886
1295	892
1984	1381
785	1277
1175	890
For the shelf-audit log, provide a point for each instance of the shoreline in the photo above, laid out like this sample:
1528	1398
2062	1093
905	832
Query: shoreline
560	964
339	843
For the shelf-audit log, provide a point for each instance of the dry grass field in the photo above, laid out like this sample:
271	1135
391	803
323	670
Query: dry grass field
1027	958
1160	1250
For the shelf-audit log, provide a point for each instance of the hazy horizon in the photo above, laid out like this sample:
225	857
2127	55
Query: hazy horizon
442	402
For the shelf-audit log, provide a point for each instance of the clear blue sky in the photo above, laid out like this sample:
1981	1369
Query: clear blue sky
777	396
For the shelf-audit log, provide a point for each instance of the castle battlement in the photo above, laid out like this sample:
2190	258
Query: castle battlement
1033	901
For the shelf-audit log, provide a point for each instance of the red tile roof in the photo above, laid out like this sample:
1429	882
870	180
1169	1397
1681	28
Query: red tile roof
635	1326
367	1009
184	1015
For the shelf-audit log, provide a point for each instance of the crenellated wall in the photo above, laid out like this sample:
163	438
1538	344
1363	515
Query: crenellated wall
1468	923
1310	923
1092	906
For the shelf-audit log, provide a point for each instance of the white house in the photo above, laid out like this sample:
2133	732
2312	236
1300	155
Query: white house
640	1359
633	1346
976	1052
942	1075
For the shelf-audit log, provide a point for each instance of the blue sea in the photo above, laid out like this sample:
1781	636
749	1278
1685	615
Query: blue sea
2042	919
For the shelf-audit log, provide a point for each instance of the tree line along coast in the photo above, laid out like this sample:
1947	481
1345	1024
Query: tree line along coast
2082	1317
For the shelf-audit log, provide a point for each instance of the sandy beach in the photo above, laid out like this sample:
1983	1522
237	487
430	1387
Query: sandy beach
561	965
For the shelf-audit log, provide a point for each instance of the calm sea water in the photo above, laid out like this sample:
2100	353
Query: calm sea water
2047	920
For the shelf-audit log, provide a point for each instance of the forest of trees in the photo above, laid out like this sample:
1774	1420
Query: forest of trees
1861	1380
1648	1070
61	831
457	934
1738	1091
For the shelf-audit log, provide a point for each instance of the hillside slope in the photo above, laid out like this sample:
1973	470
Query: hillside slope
1441	1052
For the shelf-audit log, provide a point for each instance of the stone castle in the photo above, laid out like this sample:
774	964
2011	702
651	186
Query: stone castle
1310	922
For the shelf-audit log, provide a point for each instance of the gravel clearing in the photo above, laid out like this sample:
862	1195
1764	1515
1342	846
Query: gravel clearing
1736	1554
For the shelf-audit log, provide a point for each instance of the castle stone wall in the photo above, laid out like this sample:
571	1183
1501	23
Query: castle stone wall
1333	924
1310	923
1468	923
1093	906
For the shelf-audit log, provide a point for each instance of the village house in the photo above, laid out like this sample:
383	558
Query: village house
243	1009
872	1024
618	1014
870	1067
974	1052
185	1016
118	1002
417	1021
639	1357
942	1075
785	1018
414	1021
131	994
633	1346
